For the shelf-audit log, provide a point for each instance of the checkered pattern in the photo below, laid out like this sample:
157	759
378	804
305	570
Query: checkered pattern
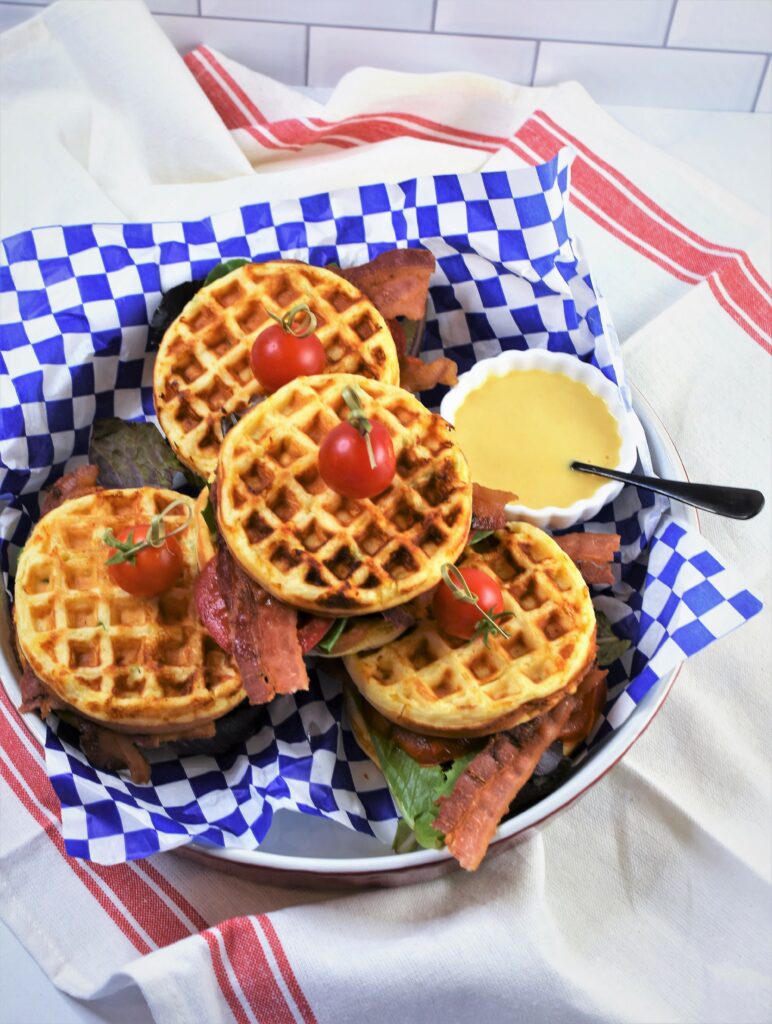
76	302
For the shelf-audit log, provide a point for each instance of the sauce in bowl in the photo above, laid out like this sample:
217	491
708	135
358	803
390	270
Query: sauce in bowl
520	432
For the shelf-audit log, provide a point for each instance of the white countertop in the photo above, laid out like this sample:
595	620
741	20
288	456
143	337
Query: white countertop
733	149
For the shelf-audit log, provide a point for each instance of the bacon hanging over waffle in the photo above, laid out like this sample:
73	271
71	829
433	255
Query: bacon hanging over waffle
264	635
592	553
488	511
35	695
397	281
415	375
590	699
489	784
80	481
112	751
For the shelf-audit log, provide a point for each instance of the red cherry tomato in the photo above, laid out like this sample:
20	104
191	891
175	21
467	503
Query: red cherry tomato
460	618
345	464
278	357
153	570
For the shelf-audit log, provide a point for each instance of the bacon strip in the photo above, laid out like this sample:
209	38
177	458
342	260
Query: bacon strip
416	375
488	511
396	282
590	700
592	553
80	481
398	334
264	635
35	695
484	791
112	751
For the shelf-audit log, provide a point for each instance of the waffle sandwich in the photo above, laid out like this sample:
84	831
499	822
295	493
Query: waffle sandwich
319	551
136	665
440	686
202	370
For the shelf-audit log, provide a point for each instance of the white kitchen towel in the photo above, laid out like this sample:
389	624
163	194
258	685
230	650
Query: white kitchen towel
649	900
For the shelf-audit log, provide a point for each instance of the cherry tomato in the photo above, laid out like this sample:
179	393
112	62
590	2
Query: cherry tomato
278	357
153	571
345	464
460	618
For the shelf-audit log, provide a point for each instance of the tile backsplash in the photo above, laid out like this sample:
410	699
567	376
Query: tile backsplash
701	54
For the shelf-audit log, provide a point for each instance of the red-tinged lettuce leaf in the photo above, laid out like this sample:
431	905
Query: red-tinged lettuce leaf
132	455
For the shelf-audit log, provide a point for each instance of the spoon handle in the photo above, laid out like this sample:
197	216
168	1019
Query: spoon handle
735	502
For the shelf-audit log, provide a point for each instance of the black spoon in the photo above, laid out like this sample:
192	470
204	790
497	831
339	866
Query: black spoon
735	502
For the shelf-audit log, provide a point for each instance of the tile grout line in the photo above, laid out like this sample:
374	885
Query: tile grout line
456	35
535	60
760	85
308	51
670	22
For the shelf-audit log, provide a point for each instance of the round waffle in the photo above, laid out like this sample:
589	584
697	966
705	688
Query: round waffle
202	370
322	552
440	686
140	664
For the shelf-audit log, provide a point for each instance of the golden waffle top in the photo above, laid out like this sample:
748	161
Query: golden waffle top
202	370
132	663
441	686
322	552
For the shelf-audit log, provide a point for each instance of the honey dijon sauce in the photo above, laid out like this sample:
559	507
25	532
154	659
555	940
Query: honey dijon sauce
521	431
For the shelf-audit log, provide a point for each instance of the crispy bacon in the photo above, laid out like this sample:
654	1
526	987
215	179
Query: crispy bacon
489	784
281	655
488	511
264	635
399	617
112	751
592	553
590	700
416	375
35	695
80	481
240	597
398	334
396	282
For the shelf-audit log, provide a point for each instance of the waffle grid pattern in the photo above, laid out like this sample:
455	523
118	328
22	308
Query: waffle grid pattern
75	306
203	373
313	547
146	664
444	687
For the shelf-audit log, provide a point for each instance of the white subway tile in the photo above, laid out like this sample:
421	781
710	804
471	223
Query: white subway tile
173	6
275	50
334	51
595	21
351	13
723	25
764	102
647	77
14	14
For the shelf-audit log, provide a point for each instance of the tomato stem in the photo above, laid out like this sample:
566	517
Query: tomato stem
127	550
458	586
287	320
359	420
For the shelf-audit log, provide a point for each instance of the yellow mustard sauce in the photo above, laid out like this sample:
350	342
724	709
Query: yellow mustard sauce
521	431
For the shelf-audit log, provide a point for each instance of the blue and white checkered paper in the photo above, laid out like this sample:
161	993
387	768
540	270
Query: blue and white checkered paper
76	302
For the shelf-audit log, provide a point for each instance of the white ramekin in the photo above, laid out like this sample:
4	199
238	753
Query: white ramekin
552	516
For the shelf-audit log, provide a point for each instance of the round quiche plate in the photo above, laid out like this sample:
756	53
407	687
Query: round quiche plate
309	852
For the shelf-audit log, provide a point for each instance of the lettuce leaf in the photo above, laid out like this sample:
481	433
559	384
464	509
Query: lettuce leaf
132	455
610	646
416	789
225	268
